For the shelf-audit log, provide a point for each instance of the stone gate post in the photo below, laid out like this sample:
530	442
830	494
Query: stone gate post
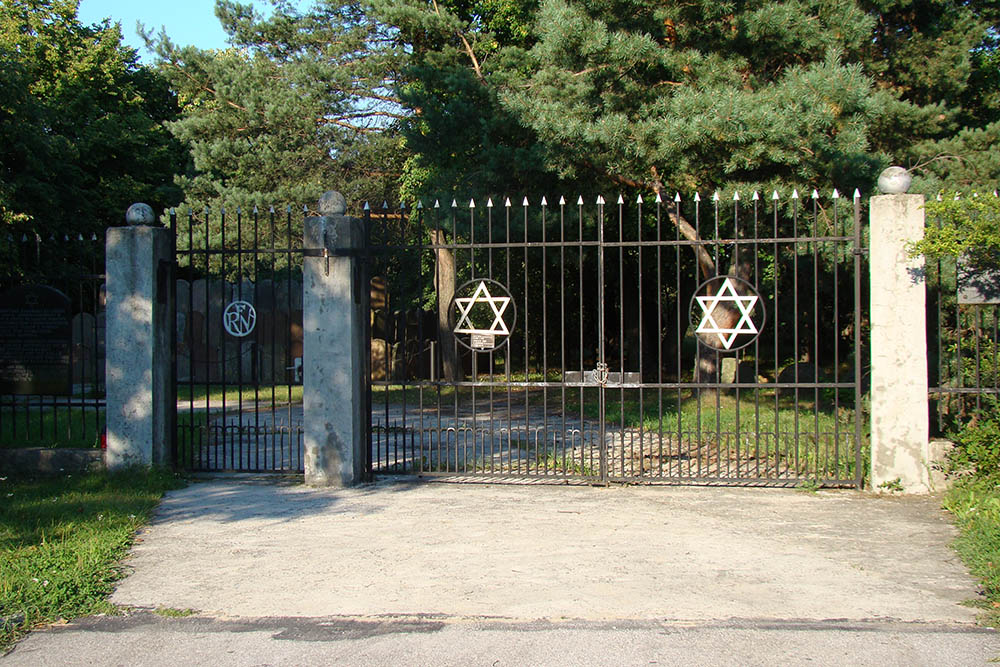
137	362
333	348
899	408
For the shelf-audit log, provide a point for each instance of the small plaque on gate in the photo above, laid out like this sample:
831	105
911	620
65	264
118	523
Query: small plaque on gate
481	341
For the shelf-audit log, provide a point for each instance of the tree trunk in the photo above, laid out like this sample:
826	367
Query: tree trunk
444	284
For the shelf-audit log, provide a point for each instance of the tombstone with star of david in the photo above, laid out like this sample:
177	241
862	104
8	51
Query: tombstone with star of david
727	313
483	314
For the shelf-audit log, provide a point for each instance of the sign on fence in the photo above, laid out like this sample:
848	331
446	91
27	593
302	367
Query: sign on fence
35	341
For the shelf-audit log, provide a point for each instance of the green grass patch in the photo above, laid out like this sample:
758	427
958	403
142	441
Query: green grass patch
975	503
61	540
61	427
172	612
233	393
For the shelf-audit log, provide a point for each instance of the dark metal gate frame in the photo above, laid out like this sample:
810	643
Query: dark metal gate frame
401	440
251	434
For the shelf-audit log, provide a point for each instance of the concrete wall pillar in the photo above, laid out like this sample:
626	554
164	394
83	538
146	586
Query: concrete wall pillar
137	364
333	348
899	417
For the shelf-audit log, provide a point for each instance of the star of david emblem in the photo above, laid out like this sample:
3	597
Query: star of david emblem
744	304
498	304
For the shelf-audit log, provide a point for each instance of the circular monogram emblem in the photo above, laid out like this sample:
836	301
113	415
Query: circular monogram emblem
483	315
239	318
728	312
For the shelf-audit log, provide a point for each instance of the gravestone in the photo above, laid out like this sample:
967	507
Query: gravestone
35	340
978	281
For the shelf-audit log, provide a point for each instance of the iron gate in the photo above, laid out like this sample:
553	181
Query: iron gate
238	308
668	341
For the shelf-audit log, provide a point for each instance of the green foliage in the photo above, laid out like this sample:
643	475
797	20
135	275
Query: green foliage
975	504
300	104
693	96
81	135
61	540
977	445
962	226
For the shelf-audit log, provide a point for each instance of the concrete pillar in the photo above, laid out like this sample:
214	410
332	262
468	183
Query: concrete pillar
137	364
333	349
899	427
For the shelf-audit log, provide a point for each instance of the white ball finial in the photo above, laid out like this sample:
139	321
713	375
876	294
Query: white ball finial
332	203
140	214
894	181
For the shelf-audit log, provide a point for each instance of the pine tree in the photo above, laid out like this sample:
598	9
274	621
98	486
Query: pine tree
696	96
301	103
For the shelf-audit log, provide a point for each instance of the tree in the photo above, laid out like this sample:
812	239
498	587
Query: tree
695	96
301	103
81	135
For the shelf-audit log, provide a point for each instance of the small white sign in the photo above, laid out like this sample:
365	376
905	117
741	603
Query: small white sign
239	318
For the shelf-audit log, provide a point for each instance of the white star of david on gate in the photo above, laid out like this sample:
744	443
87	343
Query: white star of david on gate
745	304
498	304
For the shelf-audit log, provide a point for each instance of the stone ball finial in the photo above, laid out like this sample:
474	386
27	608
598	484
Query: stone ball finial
140	214
894	181
332	203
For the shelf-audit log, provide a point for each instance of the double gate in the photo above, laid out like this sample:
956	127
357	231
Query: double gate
662	341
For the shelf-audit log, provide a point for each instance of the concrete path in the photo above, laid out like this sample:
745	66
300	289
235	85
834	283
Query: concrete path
438	573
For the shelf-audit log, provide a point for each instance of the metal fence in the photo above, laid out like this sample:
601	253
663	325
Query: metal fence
52	344
238	308
963	334
655	341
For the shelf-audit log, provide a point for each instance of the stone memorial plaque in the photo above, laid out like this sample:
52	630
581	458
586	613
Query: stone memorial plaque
35	341
977	284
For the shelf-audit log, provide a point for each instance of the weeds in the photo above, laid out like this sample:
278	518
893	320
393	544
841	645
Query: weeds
61	540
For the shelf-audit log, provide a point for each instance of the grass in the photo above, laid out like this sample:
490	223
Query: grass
61	540
62	427
814	434
283	394
975	504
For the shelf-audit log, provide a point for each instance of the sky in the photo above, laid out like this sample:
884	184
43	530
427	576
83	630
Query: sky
186	21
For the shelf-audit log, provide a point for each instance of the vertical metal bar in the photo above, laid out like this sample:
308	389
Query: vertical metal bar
815	347
777	327
659	334
639	368
562	331
795	322
527	338
621	347
294	445
602	434
858	479
274	341
756	343
836	338
255	347
545	347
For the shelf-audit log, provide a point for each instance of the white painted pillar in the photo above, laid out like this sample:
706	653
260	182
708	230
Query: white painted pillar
899	406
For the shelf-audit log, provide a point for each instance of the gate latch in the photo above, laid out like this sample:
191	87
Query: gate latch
601	373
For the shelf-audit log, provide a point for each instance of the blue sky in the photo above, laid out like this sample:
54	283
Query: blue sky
186	21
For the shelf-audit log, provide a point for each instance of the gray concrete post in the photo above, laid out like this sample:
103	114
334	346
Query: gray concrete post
899	428
333	350
137	363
